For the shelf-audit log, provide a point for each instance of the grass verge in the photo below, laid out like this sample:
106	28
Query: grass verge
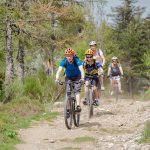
19	114
84	139
146	134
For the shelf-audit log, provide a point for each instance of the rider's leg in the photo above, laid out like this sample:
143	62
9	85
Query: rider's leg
119	86
77	94
86	88
96	94
101	79
111	86
95	90
78	98
85	92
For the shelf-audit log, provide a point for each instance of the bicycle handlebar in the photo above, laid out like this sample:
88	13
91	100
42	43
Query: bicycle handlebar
68	82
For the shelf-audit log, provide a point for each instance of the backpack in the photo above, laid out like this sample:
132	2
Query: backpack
115	71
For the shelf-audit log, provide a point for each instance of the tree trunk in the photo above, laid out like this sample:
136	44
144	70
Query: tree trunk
20	61
9	72
52	60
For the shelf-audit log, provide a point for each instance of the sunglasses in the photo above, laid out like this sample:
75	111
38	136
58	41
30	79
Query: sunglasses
89	56
69	56
114	61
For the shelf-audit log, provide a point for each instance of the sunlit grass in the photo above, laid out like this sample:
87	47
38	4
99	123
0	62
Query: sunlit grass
146	134
84	139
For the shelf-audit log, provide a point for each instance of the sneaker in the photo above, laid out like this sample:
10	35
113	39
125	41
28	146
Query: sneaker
102	88
96	102
78	109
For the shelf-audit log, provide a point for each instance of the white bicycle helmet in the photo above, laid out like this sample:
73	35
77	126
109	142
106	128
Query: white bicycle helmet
114	58
92	43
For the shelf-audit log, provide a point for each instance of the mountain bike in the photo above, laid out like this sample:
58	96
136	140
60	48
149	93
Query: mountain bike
90	98
115	87
70	113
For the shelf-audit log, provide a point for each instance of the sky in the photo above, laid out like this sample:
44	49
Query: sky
142	3
114	3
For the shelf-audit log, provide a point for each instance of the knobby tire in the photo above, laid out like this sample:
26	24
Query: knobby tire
90	104
68	120
76	115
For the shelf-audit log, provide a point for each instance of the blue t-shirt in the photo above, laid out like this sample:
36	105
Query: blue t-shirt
72	70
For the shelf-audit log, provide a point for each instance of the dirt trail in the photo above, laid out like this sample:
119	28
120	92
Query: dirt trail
114	126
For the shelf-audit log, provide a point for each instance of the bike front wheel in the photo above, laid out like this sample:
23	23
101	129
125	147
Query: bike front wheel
76	115
90	104
68	113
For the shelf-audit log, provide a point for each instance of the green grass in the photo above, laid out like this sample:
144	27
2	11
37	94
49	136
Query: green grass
146	134
19	114
84	139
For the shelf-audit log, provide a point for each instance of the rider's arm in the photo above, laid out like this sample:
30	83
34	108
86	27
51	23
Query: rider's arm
99	68
82	71
103	60
102	57
59	72
100	71
109	71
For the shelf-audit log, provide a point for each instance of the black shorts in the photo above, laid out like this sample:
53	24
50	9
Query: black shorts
94	80
77	86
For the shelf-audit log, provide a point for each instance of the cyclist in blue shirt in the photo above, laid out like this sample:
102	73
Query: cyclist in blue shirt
73	71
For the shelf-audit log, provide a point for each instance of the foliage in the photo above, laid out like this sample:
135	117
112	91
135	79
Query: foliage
37	86
146	134
147	94
132	40
18	114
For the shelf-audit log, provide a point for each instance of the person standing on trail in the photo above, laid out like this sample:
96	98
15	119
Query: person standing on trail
73	71
115	70
99	56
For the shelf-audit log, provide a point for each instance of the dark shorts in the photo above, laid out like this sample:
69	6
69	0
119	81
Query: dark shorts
94	80
77	86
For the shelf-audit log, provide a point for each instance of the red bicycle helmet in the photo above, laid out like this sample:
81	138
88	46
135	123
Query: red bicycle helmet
69	51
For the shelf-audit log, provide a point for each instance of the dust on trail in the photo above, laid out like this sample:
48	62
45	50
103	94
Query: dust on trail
115	126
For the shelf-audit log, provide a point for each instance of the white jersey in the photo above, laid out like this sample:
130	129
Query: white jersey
98	52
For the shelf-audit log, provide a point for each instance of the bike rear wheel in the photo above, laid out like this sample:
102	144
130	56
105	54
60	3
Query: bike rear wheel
90	104
76	115
68	113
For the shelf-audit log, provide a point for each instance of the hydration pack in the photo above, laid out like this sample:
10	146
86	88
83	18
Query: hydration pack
115	71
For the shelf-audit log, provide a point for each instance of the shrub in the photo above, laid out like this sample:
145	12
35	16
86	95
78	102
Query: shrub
32	87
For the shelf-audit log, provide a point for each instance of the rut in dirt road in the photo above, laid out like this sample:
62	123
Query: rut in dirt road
114	126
